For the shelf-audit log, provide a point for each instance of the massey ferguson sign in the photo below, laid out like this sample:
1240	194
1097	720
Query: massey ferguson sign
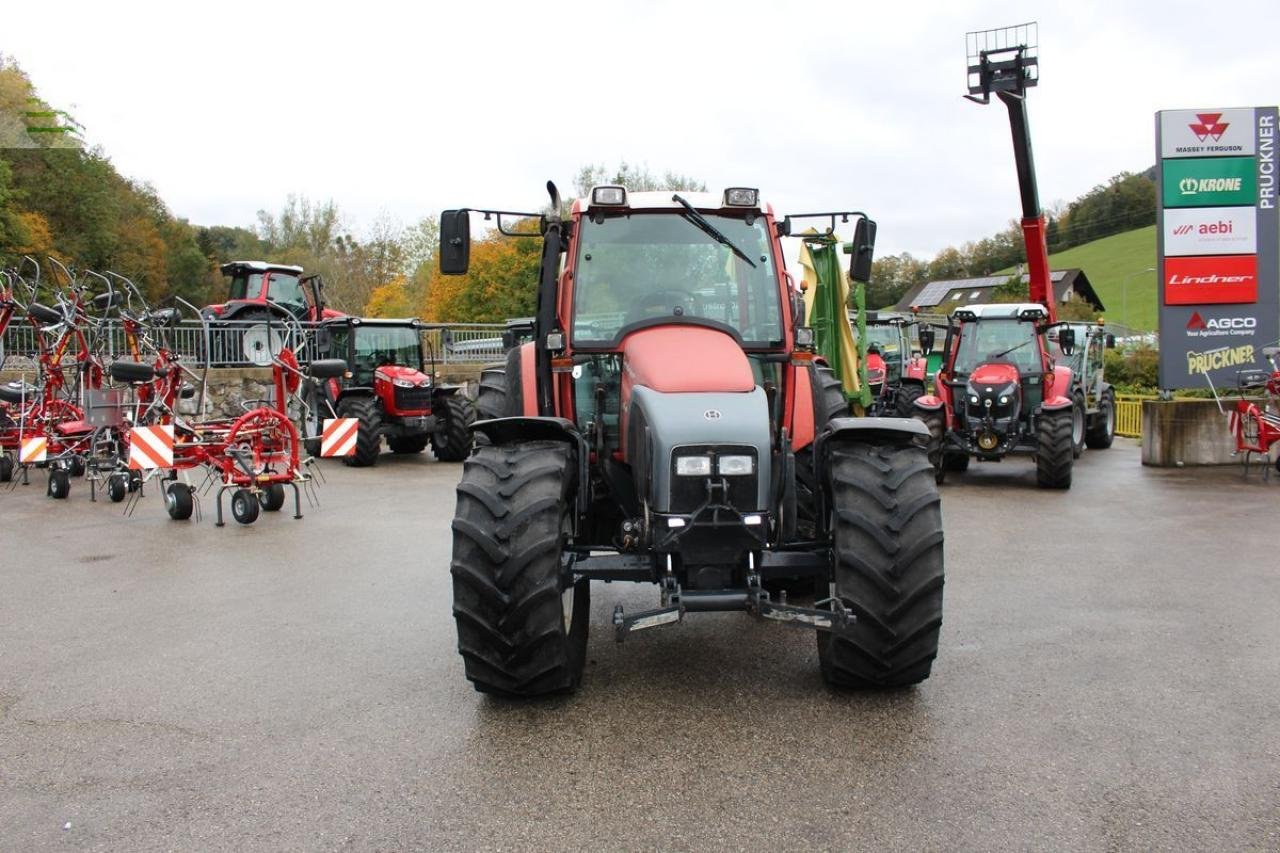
1218	243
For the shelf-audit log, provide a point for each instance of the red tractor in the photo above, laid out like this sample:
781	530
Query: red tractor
896	373
670	424
259	290
390	390
998	389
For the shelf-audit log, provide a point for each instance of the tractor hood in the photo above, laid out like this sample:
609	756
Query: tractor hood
682	359
398	374
994	374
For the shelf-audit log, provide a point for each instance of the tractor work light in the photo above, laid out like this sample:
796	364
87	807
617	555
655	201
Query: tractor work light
693	466
610	196
736	466
741	197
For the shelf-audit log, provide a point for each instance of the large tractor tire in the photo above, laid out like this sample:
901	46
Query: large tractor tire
369	435
1079	424
935	421
887	548
908	393
453	442
521	631
1103	429
831	404
1054	455
491	399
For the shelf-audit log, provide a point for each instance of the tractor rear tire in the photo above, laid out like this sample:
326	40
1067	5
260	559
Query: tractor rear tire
908	393
453	442
887	549
491	398
1103	430
1079	425
521	631
1054	455
935	421
369	434
408	444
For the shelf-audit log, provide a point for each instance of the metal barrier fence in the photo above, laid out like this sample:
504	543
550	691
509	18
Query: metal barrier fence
1129	414
239	344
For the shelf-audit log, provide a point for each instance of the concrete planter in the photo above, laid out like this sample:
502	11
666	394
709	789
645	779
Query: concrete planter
1186	432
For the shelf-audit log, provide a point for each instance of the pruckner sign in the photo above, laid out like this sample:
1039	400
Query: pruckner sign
1218	243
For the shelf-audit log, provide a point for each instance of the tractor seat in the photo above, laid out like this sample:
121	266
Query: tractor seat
15	392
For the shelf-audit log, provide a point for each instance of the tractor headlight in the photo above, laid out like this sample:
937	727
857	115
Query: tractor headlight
736	466
1004	399
404	383
693	466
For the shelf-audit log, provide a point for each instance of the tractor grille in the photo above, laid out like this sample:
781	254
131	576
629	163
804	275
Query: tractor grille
689	493
413	399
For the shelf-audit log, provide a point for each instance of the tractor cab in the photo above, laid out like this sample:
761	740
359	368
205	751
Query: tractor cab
256	287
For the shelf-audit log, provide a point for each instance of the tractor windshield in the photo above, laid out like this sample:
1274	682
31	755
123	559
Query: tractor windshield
376	346
888	340
280	287
633	267
1011	341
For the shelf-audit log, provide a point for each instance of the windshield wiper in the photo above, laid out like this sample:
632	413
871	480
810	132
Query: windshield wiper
699	220
1011	349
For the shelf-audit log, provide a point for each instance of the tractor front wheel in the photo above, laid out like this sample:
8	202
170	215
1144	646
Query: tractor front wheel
453	442
369	433
908	393
887	549
935	421
522	625
1054	454
1103	430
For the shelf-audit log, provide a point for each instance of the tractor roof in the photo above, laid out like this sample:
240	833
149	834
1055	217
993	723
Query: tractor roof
235	267
1009	310
662	201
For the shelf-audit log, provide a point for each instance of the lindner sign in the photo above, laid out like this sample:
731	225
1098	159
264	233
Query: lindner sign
1217	243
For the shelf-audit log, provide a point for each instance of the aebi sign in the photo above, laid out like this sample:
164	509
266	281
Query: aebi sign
1210	231
1211	281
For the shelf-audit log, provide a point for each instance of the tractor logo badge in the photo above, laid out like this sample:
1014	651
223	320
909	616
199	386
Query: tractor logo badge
712	414
1196	322
1208	127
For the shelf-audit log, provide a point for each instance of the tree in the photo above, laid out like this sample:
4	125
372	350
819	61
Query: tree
634	178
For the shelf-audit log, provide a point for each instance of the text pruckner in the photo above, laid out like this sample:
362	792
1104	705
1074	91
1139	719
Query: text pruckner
1266	162
1199	363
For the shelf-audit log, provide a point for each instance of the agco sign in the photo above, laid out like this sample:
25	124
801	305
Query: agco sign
1200	326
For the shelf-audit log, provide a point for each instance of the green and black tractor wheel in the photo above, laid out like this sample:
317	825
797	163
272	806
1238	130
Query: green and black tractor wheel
887	546
369	435
1102	429
1054	456
522	622
452	442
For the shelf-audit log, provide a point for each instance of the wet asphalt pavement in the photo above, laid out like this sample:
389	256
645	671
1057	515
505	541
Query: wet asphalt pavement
1109	678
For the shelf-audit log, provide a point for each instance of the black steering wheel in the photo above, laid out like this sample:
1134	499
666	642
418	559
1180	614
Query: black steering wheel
676	302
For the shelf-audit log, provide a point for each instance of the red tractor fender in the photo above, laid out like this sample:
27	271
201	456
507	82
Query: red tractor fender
1057	383
916	369
1056	403
528	380
931	402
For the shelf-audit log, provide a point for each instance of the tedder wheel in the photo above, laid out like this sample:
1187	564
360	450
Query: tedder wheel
244	506
1053	453
935	421
405	444
908	393
117	487
6	468
1103	430
522	629
59	483
77	466
272	497
1079	421
369	434
453	442
887	549
178	501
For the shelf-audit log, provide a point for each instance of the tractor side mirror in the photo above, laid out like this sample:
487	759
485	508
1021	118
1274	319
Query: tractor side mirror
864	248
455	242
1067	341
1111	341
927	338
327	368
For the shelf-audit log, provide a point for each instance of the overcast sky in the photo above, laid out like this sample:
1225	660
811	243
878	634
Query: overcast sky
396	110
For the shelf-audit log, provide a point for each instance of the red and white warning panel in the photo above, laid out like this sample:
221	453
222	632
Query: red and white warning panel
33	450
339	436
151	447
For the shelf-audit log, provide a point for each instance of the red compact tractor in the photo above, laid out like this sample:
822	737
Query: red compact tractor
896	374
390	391
670	424
999	389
